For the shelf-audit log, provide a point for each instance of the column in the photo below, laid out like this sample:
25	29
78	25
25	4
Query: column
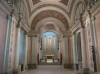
84	55
29	57
6	50
67	51
86	41
34	50
69	62
17	48
65	56
26	53
60	51
95	42
74	52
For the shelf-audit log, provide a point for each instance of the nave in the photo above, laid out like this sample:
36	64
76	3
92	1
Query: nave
35	33
49	69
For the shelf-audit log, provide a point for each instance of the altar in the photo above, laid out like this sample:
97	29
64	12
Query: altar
49	58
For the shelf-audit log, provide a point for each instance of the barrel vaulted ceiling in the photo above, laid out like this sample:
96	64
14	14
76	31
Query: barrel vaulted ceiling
60	10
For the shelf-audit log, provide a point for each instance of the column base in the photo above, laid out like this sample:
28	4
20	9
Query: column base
86	71
11	72
32	66
15	71
68	66
76	66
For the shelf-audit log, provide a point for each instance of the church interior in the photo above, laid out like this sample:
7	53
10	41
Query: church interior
49	36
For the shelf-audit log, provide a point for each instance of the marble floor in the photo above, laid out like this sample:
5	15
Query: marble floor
49	69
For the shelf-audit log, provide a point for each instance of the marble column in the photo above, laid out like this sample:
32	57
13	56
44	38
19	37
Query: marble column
6	50
34	49
26	52
30	63
17	48
69	52
74	52
64	50
84	55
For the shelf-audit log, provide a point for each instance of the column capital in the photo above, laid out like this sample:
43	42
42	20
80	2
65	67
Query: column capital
34	35
70	34
30	34
18	23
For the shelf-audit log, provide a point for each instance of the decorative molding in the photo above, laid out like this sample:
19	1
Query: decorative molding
74	28
75	8
50	9
50	13
43	4
67	7
58	25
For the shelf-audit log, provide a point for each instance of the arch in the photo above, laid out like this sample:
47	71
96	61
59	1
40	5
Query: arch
58	33
74	10
49	8
50	20
26	8
48	33
44	4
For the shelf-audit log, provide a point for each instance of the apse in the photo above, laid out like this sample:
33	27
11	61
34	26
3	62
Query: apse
49	43
49	47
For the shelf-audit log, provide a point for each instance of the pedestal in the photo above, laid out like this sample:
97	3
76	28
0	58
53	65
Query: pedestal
68	66
32	66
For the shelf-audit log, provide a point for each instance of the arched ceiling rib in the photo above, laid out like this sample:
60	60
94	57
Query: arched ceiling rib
62	1
41	5
62	10
66	4
49	13
52	24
